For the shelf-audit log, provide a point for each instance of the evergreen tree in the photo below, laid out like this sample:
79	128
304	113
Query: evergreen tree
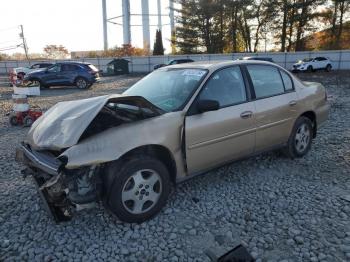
187	33
158	48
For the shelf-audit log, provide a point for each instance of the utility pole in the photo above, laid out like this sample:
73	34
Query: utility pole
24	42
159	15
104	17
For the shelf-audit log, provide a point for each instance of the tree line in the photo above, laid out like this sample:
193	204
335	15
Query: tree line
219	26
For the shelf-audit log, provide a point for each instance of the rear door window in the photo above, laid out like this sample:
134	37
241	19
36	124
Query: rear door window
266	80
68	67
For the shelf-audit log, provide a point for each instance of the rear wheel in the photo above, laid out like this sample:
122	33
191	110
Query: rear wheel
81	83
140	188
328	68
299	142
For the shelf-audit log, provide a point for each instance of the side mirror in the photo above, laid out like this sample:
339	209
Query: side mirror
207	105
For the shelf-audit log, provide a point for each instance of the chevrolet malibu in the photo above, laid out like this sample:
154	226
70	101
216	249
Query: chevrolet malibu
177	122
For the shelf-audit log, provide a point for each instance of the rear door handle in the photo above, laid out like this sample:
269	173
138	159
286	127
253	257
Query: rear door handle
292	103
246	114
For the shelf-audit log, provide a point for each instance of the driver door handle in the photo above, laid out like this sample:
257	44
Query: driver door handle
246	114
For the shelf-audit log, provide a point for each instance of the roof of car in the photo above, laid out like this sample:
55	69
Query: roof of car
216	64
74	62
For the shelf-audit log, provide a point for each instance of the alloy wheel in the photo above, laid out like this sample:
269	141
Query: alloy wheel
81	83
141	191
302	138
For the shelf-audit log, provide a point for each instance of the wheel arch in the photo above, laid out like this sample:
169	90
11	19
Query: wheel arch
158	151
312	116
77	77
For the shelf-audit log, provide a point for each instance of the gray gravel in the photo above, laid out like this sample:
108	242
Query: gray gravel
280	209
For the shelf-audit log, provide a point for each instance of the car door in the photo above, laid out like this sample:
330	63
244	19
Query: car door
216	137
323	62
276	105
319	63
51	76
68	73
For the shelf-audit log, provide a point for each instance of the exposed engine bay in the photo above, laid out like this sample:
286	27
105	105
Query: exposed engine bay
114	114
66	190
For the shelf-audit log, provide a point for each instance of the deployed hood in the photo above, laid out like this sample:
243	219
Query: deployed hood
64	123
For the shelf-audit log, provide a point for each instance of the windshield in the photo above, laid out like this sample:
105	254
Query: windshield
168	89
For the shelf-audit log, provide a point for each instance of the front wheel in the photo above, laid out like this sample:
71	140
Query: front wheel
310	69
299	142
139	190
328	68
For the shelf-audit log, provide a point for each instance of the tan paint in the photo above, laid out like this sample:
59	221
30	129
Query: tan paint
218	136
211	138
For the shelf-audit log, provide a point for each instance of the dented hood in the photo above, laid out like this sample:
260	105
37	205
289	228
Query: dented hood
63	124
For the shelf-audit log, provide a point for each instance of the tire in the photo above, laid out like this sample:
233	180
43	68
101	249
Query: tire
13	120
328	68
81	83
132	198
27	121
299	142
310	69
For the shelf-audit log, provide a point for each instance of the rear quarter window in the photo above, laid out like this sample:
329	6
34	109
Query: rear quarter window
92	67
287	81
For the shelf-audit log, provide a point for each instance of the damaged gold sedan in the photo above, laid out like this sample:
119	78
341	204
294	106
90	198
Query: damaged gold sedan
179	121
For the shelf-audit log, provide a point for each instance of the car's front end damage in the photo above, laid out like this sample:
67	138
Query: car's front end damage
62	190
63	187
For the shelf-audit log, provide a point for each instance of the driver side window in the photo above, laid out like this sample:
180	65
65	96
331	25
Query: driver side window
225	86
54	69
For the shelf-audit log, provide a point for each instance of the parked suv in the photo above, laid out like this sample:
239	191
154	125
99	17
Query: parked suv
79	74
312	64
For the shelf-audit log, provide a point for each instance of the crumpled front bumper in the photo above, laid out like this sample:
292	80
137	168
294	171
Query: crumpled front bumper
45	171
38	160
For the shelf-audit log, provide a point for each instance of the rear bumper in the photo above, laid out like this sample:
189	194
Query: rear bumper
322	114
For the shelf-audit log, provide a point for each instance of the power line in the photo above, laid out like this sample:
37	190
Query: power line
9	48
9	28
9	41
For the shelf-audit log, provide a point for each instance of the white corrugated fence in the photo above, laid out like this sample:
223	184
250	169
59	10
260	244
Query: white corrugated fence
144	64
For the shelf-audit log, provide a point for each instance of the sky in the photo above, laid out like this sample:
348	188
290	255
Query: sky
75	24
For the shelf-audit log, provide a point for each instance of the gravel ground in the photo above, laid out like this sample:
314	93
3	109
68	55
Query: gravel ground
280	209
